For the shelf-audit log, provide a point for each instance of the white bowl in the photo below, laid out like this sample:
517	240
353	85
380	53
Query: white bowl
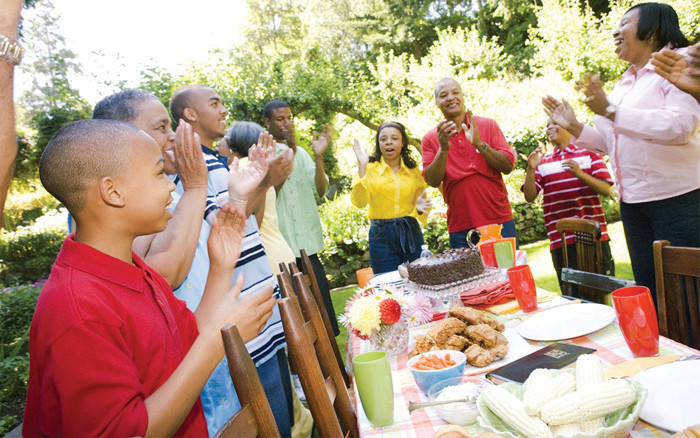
463	413
617	424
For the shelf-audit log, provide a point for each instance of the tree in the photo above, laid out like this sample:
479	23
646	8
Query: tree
49	63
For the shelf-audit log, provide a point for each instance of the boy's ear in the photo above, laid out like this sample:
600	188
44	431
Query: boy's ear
110	193
190	115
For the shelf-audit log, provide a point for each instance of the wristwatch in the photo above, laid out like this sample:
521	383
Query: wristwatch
484	149
10	51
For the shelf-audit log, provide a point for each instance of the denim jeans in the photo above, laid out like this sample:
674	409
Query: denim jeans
392	242
674	219
458	239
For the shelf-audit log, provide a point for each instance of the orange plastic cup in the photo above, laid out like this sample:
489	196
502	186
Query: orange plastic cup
363	276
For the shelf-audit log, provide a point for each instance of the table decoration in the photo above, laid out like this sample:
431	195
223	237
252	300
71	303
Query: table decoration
382	316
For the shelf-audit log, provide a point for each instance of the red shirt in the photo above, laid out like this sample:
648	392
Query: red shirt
566	196
105	335
473	190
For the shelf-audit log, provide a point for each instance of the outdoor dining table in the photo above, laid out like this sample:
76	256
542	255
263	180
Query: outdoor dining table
608	342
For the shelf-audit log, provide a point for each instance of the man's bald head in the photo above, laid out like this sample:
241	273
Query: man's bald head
442	82
82	153
180	100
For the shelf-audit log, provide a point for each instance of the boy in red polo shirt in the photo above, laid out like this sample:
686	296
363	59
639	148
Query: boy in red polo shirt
112	351
571	179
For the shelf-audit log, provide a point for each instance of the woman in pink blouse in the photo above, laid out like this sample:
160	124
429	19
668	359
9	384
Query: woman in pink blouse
649	128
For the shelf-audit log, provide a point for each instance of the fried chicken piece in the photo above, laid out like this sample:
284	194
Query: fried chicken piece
467	314
482	333
456	342
499	350
423	344
473	317
477	356
443	330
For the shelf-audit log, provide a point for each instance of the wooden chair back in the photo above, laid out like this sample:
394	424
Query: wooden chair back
283	268
325	391
311	282
255	418
677	292
589	256
599	282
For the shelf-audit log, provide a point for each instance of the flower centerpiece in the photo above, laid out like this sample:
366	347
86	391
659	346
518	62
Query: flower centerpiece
383	316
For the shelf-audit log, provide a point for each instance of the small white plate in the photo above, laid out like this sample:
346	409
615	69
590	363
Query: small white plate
386	278
566	322
672	401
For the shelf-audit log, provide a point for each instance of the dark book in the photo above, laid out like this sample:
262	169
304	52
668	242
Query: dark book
554	356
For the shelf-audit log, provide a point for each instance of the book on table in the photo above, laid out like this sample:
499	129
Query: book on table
554	356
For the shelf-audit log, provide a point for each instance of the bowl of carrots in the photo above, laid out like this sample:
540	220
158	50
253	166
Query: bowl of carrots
435	366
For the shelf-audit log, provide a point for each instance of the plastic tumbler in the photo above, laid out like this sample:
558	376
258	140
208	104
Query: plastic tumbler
523	285
375	387
488	254
637	318
504	254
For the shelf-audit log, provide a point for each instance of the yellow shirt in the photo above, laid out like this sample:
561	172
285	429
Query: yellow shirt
389	195
276	247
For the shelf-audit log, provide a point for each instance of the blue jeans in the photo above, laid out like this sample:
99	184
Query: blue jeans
392	242
674	219
459	239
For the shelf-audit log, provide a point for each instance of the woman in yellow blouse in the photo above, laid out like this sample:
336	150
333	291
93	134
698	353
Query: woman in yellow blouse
392	184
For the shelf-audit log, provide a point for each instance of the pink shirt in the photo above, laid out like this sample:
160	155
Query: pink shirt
654	143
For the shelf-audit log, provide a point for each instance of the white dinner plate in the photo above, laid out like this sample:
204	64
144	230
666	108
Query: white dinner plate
386	278
566	322
672	401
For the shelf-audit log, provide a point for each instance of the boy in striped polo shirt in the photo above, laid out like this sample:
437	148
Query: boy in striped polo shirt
571	179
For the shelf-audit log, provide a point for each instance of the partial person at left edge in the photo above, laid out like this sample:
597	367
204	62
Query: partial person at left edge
10	55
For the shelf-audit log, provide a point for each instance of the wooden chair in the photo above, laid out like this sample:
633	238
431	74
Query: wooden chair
677	292
283	268
255	418
601	284
310	280
318	371
589	256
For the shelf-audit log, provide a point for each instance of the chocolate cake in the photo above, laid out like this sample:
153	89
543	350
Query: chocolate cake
448	267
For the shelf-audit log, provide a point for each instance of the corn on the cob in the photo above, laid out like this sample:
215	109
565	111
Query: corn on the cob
512	411
589	372
570	429
595	401
592	425
561	384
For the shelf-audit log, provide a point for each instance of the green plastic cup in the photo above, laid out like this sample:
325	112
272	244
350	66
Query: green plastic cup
375	387
504	254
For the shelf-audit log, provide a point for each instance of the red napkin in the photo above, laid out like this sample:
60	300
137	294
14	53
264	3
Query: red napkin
486	296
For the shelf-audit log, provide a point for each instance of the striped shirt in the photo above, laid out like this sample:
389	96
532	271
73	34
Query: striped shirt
218	395
566	196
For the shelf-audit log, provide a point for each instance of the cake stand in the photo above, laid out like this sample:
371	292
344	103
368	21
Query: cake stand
450	291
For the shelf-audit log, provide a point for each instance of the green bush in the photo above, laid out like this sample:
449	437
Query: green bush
16	311
27	254
345	233
27	201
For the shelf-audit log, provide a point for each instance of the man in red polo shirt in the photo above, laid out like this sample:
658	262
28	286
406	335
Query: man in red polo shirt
468	155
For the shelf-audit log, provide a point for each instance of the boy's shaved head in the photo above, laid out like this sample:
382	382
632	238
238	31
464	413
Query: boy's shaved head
82	153
180	100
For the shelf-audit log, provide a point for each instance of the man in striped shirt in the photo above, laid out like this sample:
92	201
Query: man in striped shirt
571	179
202	107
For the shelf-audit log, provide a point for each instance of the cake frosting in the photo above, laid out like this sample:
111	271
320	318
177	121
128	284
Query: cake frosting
451	266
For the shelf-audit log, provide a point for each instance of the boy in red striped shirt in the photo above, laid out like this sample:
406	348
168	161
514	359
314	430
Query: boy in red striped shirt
571	179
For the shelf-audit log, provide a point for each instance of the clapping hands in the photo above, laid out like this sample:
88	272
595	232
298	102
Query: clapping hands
319	144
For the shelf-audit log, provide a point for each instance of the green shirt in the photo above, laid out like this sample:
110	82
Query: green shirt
296	205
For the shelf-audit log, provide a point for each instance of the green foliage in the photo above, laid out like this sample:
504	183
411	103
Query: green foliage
47	123
345	233
26	255
26	201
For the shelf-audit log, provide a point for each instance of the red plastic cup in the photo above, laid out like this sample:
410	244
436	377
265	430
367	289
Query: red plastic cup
488	254
523	285
637	318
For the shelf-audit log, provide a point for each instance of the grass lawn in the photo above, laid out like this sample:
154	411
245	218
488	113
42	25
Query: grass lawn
540	262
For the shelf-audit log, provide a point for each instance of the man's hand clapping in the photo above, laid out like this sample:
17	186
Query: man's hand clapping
224	243
188	158
446	129
242	181
319	144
